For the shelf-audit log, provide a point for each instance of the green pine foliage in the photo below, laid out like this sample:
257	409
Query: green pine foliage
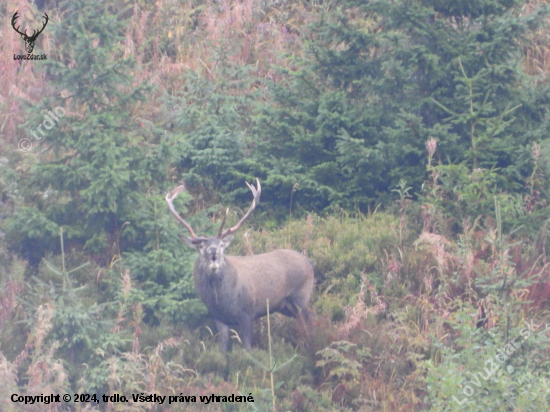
160	262
211	118
92	162
380	78
100	165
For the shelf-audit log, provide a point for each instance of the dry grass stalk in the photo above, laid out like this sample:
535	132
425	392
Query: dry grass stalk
436	246
8	296
359	311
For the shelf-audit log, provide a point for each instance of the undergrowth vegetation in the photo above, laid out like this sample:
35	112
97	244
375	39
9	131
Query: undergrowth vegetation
400	324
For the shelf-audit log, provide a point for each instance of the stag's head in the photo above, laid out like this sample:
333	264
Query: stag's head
29	40
211	249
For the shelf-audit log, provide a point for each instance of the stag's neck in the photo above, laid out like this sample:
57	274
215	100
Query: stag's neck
221	283
224	274
219	290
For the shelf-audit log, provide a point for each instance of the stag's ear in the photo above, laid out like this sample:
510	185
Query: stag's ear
189	242
227	240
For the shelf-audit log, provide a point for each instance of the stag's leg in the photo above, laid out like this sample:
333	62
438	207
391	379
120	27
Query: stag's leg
299	304
245	324
288	309
306	317
302	314
223	334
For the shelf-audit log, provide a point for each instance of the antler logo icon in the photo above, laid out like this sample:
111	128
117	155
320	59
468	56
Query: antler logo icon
29	40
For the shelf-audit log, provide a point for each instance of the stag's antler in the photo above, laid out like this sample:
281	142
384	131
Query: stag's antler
170	196
223	222
35	34
13	19
256	192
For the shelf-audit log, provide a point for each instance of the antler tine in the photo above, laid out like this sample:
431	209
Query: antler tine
170	196
223	222
256	192
43	27
13	19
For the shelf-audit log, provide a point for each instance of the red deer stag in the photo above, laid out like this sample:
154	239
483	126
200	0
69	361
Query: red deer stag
235	288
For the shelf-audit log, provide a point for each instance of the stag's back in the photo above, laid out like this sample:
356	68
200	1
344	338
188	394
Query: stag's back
276	276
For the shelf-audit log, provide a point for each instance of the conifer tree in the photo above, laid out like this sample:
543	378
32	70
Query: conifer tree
101	165
381	78
87	166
